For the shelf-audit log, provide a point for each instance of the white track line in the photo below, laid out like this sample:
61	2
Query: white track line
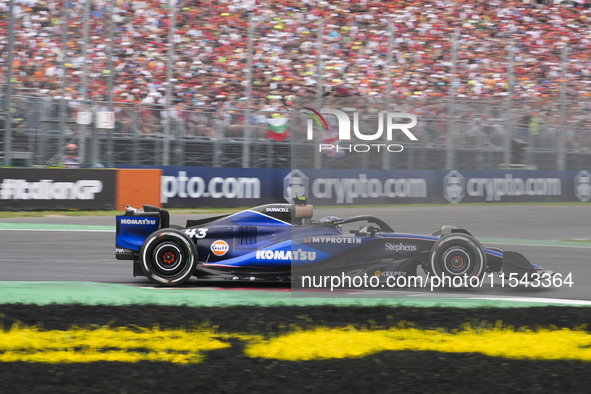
538	245
535	299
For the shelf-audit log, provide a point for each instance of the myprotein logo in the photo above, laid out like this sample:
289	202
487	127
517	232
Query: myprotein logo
142	222
344	123
217	187
47	189
494	189
333	240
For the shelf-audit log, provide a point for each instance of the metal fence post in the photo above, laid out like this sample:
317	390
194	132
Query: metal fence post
217	149
450	148
480	147
319	41
166	142
110	162
94	147
509	114
247	133
64	81
269	160
82	141
410	160
45	103
135	148
560	159
8	119
181	145
529	148
386	154
85	104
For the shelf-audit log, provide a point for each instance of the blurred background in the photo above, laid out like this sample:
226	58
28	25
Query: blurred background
494	84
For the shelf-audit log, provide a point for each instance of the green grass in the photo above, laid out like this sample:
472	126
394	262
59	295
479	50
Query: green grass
207	210
577	240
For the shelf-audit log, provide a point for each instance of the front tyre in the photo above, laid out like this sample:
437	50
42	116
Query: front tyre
457	255
168	257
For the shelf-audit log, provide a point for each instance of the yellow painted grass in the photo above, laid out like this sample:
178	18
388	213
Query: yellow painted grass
133	344
107	344
325	343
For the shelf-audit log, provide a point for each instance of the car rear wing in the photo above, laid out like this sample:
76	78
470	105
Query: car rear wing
135	226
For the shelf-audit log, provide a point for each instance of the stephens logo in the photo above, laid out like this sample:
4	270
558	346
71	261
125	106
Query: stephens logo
401	247
220	248
345	130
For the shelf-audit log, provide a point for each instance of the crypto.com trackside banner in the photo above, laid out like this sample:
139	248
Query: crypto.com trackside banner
233	187
360	187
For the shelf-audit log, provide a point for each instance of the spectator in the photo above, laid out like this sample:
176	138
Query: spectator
71	159
277	127
210	51
210	46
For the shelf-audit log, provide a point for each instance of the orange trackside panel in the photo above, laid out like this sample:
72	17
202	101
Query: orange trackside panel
138	187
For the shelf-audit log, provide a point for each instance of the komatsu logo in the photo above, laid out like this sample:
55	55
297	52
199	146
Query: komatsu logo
300	255
401	247
138	221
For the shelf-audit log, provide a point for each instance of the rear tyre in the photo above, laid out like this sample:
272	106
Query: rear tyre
458	255
168	257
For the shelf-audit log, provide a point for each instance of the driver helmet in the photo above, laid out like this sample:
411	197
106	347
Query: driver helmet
331	219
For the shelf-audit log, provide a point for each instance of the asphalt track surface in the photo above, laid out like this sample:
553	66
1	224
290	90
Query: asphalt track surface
89	256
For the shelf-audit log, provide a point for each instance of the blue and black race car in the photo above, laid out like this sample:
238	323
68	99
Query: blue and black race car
274	242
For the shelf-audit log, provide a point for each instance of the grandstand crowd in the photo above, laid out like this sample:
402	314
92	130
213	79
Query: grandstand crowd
211	50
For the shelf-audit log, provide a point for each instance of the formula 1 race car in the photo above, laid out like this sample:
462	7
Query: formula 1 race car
271	242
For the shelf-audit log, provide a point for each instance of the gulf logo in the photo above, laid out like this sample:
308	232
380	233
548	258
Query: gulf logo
219	247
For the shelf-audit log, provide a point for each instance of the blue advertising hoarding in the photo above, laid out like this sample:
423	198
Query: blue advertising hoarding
233	187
